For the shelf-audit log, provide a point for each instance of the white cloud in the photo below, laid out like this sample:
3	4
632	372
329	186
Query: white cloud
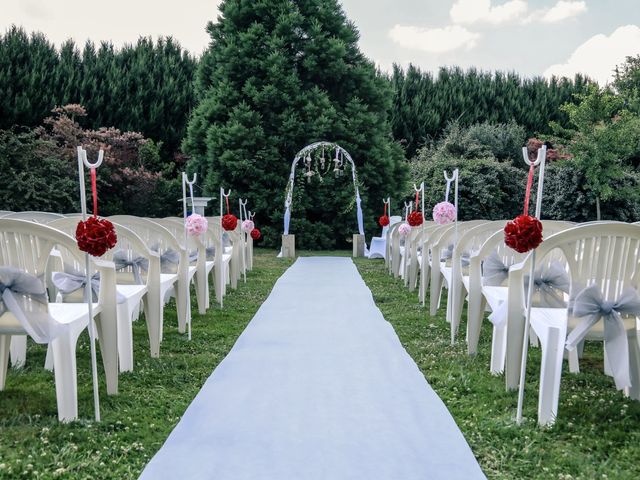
434	40
598	56
468	12
562	10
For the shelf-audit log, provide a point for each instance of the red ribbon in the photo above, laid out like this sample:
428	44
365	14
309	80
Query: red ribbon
385	209
527	195
417	199
227	199
94	192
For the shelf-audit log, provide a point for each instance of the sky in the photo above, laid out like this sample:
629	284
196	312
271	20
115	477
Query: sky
531	37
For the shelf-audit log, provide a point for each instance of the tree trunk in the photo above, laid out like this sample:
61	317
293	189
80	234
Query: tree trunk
598	216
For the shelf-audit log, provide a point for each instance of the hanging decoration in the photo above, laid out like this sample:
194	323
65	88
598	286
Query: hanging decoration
195	224
445	212
524	233
415	218
255	234
95	236
404	229
384	221
229	221
248	226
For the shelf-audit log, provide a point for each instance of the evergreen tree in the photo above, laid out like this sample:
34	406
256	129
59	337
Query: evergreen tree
280	74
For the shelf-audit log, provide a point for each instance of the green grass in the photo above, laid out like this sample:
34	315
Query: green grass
135	423
596	436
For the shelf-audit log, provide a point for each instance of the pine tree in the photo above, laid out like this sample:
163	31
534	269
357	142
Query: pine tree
280	74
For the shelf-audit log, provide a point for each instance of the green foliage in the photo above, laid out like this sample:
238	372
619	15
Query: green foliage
604	139
146	87
35	174
423	104
490	186
278	76
627	82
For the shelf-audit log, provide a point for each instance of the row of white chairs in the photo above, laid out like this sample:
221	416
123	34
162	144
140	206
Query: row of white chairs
472	263
152	261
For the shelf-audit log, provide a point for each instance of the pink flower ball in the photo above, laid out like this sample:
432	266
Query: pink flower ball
248	226
404	229
444	212
196	224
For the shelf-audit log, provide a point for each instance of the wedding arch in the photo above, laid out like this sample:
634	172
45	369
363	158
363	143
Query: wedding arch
320	166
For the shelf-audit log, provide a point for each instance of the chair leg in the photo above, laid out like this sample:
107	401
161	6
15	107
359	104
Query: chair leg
125	337
552	343
435	292
107	327
498	349
475	313
202	290
634	365
5	342
18	351
64	358
153	311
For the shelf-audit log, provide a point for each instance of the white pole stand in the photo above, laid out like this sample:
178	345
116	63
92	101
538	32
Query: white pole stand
82	162
288	246
540	160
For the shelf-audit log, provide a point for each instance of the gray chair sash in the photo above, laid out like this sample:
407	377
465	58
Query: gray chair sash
447	254
15	283
169	259
494	270
137	263
71	281
590	305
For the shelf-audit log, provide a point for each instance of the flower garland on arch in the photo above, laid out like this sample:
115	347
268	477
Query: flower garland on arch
95	236
524	233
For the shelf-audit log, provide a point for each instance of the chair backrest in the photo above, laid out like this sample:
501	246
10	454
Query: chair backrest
128	242
606	255
176	226
154	235
39	217
448	236
510	256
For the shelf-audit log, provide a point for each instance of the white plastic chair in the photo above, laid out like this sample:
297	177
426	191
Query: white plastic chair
39	217
174	277
440	266
130	248
378	247
26	246
607	256
482	295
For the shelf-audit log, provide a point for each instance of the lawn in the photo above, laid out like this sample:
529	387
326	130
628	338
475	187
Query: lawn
597	435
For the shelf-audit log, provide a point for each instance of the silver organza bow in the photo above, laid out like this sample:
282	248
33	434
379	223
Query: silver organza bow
447	254
193	256
169	259
71	281
547	282
590	305
211	252
14	284
137	263
494	270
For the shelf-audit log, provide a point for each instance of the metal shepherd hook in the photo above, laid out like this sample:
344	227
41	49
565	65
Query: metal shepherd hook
185	182
224	197
452	291
82	162
243	236
540	160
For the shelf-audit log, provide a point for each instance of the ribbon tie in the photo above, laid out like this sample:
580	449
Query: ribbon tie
16	283
169	259
494	270
447	254
211	252
137	263
590	305
548	282
71	281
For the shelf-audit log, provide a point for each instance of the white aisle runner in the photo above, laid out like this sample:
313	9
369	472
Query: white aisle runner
318	386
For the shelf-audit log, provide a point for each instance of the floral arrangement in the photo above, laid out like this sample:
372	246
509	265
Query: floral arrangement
444	212
196	224
95	236
404	229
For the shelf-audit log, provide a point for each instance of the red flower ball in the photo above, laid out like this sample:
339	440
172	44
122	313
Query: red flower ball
415	219
229	222
383	221
96	236
523	233
255	234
